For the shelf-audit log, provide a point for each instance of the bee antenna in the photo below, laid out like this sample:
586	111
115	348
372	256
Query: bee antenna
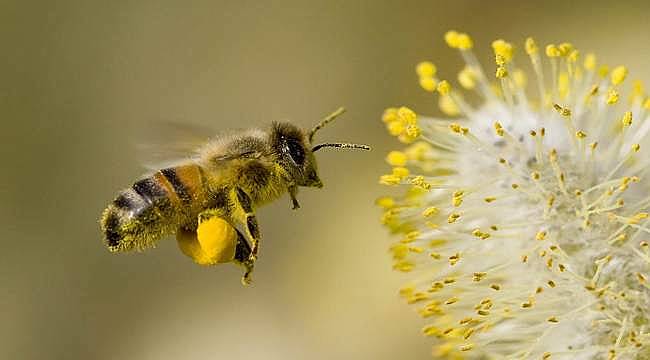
341	146
325	121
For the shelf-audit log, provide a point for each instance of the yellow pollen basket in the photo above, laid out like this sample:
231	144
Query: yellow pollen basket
213	243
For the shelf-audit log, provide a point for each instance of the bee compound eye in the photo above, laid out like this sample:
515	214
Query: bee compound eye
296	151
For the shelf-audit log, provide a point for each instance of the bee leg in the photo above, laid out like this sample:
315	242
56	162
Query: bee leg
293	191
247	222
247	278
242	257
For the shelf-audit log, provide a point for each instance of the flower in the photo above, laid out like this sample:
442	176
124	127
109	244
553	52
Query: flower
524	223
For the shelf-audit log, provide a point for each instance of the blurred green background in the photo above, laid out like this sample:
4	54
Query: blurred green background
78	78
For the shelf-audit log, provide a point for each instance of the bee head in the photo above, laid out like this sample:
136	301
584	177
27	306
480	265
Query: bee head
294	154
296	150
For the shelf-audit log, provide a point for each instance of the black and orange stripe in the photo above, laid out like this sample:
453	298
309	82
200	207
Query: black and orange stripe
153	208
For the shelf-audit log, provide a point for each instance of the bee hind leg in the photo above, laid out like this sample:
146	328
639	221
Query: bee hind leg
246	222
242	257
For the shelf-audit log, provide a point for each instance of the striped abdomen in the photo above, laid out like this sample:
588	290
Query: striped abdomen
152	208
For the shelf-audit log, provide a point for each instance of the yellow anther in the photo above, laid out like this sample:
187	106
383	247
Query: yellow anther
612	97
503	49
498	128
618	75
581	134
546	355
489	199
457	198
413	131
468	333
444	88
562	110
464	41
531	46
552	51
637	88
395	128
481	235
466	347
411	236
407	115
400	172
524	259
389	116
593	145
428	83
590	62
389	180
646	103
407	290
496	287
418	151
453	217
417	297
483	312
532	133
574	56
541	235
385	202
603	70
426	69
478	276
458	40
501	72
467	78
565	49
396	158
430	211
637	218
451	38
404	266
551	283
452	300
535	175
448	106
420	182
636	147
627	119
458	129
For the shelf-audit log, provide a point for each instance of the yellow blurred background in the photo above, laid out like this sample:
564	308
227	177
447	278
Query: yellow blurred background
78	78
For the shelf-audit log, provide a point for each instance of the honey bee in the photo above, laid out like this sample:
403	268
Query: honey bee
209	201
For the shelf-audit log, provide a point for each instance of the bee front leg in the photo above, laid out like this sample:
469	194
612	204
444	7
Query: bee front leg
293	191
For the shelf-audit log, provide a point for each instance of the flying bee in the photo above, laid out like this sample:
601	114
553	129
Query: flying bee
209	201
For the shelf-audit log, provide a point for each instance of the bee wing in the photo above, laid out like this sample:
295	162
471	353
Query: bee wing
167	144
